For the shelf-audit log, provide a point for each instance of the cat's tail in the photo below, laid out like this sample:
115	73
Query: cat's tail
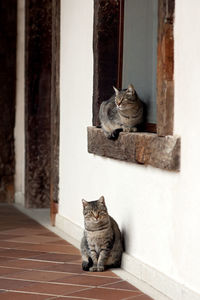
115	134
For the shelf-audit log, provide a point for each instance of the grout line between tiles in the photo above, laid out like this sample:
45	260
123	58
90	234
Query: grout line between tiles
49	282
132	297
42	294
72	297
81	291
62	272
31	243
41	260
105	284
46	261
45	251
67	284
118	289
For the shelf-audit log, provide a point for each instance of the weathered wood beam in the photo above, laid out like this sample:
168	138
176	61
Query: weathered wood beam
55	110
41	102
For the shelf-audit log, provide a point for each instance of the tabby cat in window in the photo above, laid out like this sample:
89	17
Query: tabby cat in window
101	245
123	111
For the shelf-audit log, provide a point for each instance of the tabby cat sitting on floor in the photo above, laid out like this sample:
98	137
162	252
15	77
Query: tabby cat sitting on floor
101	245
123	111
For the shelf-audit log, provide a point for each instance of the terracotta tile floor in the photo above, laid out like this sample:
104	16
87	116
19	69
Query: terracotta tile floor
37	264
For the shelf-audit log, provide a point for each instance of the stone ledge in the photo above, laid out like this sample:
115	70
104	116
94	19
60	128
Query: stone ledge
141	147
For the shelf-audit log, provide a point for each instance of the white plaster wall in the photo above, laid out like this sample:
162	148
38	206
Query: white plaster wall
186	205
19	121
157	210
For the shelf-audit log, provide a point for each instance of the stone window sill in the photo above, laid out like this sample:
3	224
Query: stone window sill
141	147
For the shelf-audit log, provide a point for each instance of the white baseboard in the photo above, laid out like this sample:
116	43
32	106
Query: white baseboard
19	198
73	231
149	280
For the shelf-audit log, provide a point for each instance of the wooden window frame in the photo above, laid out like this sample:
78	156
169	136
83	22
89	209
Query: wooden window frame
141	147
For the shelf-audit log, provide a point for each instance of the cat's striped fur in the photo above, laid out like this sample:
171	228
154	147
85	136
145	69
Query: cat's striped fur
123	111
101	245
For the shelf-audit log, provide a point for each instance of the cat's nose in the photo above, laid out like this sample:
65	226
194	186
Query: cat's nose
96	215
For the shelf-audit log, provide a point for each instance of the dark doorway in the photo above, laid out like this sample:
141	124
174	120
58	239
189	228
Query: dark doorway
8	24
42	102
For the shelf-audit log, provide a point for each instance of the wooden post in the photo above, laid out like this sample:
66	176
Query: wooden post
42	102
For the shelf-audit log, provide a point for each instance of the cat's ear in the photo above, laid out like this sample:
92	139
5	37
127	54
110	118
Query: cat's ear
130	89
84	202
116	90
102	200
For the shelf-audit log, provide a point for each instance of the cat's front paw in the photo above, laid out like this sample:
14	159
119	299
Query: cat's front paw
100	268
127	129
130	129
133	129
93	269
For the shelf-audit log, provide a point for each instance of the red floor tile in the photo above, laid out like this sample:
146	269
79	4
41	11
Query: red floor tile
86	280
53	289
62	249
20	296
11	284
36	264
17	253
35	238
141	297
66	267
124	285
37	275
60	242
7	237
104	294
56	257
8	271
29	264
